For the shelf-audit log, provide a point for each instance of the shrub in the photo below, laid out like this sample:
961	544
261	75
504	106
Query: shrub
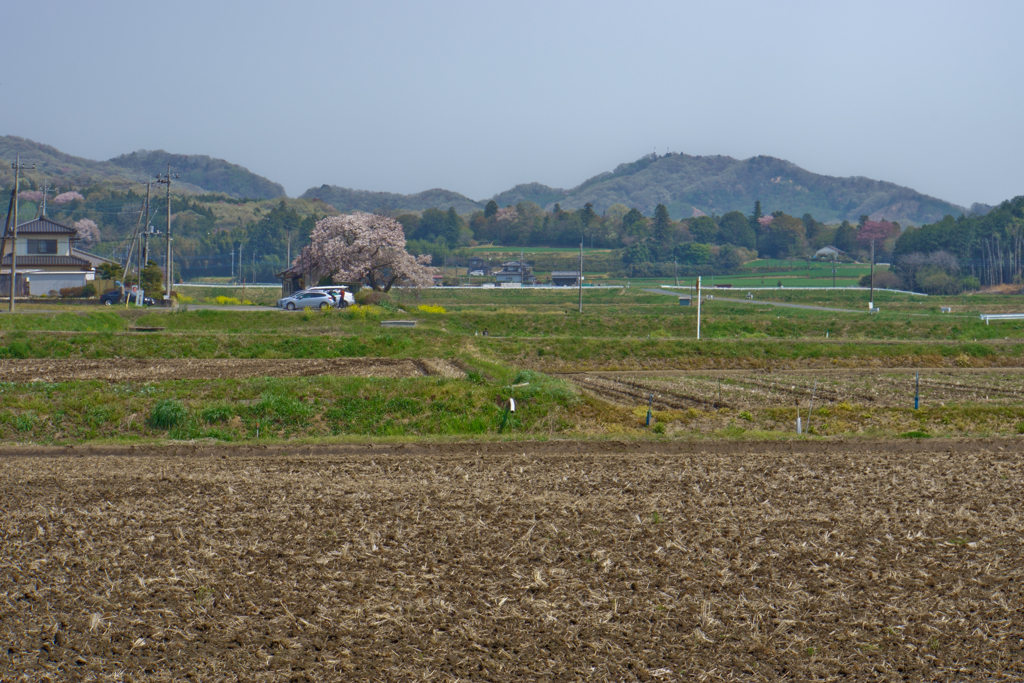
370	297
427	308
167	414
71	292
228	301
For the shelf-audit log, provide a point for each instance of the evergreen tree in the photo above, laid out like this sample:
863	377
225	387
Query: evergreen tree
846	237
662	225
491	210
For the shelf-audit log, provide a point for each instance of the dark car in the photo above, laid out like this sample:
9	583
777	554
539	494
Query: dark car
114	297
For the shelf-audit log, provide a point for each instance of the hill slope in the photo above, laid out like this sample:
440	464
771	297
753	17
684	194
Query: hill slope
345	199
213	175
198	173
718	184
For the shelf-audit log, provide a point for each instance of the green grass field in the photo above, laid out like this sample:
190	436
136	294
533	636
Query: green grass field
496	335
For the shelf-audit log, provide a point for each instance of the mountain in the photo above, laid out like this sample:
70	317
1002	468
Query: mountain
719	184
345	199
213	175
198	173
531	192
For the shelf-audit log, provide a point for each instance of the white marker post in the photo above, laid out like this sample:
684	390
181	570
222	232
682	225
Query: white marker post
698	307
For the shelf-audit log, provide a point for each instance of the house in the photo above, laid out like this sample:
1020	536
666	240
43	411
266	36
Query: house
519	272
829	253
565	278
46	258
478	264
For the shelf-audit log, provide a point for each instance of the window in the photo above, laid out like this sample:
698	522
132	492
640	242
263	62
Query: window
42	246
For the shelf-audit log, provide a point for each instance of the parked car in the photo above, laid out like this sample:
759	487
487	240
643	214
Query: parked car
476	273
342	297
306	299
114	297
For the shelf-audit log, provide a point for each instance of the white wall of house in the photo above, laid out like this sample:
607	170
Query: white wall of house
41	284
63	244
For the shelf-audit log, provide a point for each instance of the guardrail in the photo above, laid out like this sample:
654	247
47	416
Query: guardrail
1001	316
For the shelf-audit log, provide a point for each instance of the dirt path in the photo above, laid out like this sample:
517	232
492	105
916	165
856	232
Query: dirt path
143	370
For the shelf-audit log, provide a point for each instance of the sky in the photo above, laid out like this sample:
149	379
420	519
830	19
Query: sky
477	97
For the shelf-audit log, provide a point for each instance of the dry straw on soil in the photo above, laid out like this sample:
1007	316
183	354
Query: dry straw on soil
850	564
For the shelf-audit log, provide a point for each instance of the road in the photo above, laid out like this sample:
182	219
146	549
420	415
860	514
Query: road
767	303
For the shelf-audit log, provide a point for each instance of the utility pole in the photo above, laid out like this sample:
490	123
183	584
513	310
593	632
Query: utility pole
871	304
166	180
698	307
14	232
833	272
145	254
581	276
675	264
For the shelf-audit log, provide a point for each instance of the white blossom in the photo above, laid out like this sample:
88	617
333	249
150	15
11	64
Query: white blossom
364	247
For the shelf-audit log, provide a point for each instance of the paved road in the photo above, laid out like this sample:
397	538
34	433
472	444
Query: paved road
768	303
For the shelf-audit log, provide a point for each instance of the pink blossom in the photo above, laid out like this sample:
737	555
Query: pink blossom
507	214
31	195
765	221
67	197
88	232
364	247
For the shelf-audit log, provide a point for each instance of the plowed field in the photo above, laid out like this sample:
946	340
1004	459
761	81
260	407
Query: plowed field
513	562
141	370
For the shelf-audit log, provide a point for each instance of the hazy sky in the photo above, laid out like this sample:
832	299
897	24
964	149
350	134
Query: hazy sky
479	96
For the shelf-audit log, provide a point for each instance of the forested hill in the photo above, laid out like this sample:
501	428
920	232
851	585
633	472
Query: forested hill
198	173
213	175
344	199
712	185
719	184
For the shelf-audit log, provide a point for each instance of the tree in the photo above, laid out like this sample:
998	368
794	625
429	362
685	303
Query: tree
153	280
453	225
638	253
864	218
846	237
88	232
587	214
692	253
491	209
662	225
110	271
756	217
633	223
364	247
703	230
734	229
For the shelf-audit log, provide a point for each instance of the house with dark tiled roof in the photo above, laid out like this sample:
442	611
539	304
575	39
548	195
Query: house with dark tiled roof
46	257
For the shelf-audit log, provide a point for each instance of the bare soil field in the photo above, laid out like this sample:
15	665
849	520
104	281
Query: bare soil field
514	562
752	389
152	369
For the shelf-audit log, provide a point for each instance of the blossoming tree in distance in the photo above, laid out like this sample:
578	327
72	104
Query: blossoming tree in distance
364	247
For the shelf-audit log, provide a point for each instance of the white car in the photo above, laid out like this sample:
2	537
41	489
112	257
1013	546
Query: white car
342	297
306	299
476	273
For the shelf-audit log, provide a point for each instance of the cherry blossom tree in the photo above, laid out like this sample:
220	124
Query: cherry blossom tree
88	232
364	247
31	195
68	197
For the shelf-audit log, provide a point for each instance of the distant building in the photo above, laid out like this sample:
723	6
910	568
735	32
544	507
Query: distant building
519	272
565	278
829	253
46	258
478	264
